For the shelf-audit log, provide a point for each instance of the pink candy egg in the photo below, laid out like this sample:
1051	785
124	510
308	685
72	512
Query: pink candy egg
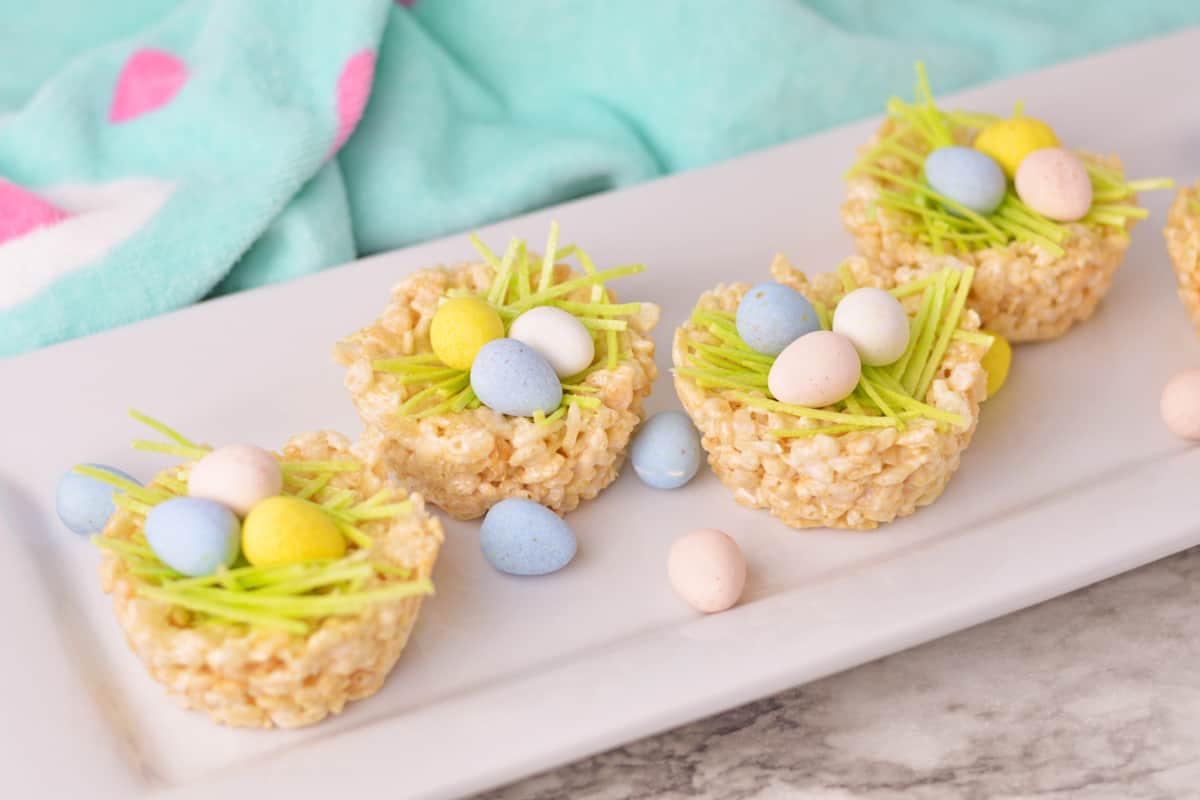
816	370
1053	182
1180	404
707	570
239	476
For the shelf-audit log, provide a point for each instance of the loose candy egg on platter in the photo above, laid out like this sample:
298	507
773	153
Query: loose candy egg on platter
521	537
666	452
1179	404
707	570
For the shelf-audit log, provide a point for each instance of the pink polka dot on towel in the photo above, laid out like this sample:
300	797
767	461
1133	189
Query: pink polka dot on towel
149	79
353	90
22	211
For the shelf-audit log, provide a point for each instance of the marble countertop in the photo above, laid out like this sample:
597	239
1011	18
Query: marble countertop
1092	695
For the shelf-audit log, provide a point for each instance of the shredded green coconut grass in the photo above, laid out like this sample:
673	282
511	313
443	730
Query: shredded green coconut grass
886	397
522	283
943	224
291	597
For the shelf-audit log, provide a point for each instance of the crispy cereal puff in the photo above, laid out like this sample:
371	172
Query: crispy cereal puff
1183	245
851	479
1035	277
466	461
255	676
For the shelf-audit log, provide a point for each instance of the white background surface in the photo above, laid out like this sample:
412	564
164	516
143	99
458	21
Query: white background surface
1071	478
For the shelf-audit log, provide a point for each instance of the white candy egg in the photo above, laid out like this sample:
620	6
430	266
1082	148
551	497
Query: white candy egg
875	322
557	336
239	476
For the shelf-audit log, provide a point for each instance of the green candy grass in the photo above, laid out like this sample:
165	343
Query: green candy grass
946	226
891	396
521	283
290	597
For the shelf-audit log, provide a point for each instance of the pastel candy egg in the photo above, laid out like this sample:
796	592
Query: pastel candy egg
288	530
239	476
1180	404
522	537
511	378
1010	140
875	323
557	336
968	177
461	326
707	570
84	503
771	316
193	535
996	362
666	451
1053	182
816	370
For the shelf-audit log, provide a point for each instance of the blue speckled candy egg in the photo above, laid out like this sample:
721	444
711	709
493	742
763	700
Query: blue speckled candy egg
510	377
192	535
967	176
522	537
84	504
771	316
666	450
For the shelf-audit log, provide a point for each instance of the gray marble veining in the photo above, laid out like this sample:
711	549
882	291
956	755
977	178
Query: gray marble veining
1092	695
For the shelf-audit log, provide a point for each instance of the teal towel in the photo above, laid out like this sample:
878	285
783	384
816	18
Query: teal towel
154	153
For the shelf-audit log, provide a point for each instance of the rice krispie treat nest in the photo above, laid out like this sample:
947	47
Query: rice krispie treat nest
1035	276
467	459
257	675
1183	246
775	458
1023	290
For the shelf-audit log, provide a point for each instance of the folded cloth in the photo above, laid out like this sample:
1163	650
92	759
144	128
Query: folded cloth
154	152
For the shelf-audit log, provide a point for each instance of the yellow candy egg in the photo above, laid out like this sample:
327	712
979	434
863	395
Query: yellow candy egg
460	327
1010	140
288	530
996	361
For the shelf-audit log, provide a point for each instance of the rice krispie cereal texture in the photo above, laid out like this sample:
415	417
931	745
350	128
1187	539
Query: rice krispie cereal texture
853	480
468	461
1021	291
1183	246
262	678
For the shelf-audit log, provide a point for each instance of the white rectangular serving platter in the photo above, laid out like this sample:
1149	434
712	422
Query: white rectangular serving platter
1071	479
